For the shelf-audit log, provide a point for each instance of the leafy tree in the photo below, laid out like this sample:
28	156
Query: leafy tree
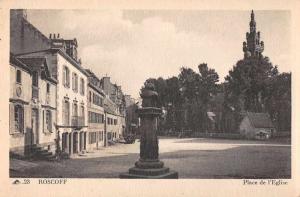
278	101
247	83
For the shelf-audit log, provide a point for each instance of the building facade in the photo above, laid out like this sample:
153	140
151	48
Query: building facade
96	115
131	117
115	122
256	126
32	106
55	103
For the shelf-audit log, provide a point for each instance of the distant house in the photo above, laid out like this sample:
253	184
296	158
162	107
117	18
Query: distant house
256	126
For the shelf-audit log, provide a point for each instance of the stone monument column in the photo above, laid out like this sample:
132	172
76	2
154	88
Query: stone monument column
149	166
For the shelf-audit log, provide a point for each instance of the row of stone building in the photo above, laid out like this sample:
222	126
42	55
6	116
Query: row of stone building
57	105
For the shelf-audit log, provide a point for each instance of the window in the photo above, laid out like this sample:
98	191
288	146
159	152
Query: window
100	138
82	112
75	82
66	77
48	88
49	120
97	100
19	118
19	77
75	109
35	80
82	86
66	112
95	117
92	137
90	96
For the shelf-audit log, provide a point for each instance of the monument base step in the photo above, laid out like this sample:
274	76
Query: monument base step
148	172
133	175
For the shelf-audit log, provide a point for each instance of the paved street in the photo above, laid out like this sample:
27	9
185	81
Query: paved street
192	158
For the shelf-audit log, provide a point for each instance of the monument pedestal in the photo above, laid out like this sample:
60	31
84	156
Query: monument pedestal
149	166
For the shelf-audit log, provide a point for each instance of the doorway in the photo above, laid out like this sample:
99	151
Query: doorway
35	126
75	142
65	143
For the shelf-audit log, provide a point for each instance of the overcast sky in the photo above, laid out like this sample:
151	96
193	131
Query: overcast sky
133	45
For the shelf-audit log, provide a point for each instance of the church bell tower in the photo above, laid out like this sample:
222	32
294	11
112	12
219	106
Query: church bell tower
253	47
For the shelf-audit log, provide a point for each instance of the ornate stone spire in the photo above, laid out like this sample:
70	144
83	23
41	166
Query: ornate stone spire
252	23
253	47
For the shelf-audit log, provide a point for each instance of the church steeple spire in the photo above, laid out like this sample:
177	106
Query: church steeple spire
253	47
252	22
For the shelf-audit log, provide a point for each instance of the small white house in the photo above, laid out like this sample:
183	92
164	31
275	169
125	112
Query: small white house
257	126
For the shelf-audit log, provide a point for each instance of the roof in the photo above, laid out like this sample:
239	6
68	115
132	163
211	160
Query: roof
33	61
14	61
37	62
109	111
260	120
62	53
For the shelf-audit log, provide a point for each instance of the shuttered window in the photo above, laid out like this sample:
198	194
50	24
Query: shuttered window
19	118
49	120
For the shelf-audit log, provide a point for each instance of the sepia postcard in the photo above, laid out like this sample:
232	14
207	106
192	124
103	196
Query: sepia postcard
148	98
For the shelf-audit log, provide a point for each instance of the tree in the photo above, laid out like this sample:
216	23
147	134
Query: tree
247	83
278	101
198	89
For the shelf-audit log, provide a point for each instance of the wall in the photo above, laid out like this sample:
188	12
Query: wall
95	127
111	128
47	102
63	91
19	140
24	37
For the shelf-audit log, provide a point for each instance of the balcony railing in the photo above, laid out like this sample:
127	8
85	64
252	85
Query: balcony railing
35	92
78	121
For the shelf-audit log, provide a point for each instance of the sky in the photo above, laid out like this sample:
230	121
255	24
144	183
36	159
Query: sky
131	46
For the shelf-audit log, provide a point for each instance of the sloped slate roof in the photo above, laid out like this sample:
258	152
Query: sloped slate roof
260	120
33	61
13	60
110	111
37	62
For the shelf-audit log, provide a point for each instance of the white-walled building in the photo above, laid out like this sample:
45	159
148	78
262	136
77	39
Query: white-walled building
32	107
71	98
96	115
57	109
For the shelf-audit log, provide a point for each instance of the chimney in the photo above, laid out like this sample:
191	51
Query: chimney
58	35
54	36
50	36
